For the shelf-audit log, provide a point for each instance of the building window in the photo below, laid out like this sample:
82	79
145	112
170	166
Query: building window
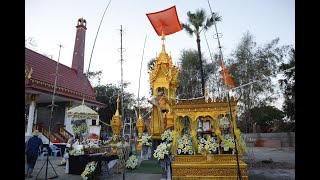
94	122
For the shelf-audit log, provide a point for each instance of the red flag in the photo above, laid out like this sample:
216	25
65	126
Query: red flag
165	21
228	80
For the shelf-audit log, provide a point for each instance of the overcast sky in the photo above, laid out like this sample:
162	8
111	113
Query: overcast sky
51	23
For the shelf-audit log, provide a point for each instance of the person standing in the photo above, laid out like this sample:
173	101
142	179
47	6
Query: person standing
32	149
74	139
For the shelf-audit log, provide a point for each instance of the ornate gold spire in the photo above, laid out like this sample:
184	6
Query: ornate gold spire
116	123
164	73
163	37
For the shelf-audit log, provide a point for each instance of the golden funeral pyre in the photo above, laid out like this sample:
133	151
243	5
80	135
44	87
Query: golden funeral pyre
203	134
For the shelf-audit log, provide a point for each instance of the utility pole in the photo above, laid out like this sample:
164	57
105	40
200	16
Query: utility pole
239	175
121	94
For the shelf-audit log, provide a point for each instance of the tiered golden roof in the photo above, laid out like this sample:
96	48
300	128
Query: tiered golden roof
164	73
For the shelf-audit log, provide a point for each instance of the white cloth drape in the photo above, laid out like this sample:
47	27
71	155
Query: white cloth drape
66	157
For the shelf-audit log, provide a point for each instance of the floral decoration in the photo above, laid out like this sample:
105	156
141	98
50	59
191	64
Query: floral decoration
79	129
161	151
115	137
88	172
228	144
63	161
106	142
132	162
145	139
167	136
184	145
91	143
243	144
209	145
74	152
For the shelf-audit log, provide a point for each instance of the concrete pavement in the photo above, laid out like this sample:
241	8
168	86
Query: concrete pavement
280	168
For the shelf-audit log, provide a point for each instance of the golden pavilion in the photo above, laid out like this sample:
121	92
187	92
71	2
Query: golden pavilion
203	143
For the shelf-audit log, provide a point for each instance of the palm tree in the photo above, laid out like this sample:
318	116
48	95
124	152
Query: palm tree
199	21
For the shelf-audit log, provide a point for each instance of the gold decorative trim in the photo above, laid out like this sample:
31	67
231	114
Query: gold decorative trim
211	170
32	97
60	88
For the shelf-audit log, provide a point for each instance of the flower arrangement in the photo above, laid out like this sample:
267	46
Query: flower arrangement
209	145
167	136
184	145
88	172
146	140
79	129
228	144
103	142
91	143
63	161
132	162
115	137
161	151
74	152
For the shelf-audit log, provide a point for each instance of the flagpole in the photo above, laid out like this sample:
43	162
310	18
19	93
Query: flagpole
228	97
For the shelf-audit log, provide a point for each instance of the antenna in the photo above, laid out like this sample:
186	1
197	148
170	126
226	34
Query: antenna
121	94
140	75
94	43
50	120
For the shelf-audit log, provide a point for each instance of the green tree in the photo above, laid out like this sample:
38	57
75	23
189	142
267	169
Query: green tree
31	43
214	80
196	23
266	116
94	76
288	86
249	63
108	94
190	78
151	65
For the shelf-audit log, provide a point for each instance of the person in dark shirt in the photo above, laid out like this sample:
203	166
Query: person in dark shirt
32	149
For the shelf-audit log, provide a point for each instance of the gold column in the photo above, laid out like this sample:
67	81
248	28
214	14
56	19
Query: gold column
140	126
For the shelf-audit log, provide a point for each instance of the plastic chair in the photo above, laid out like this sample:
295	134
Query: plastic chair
43	153
55	150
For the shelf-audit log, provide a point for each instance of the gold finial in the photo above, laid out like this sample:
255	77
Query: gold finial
118	101
163	38
140	117
206	95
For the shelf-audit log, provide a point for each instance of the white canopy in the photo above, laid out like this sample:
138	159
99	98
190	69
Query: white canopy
82	112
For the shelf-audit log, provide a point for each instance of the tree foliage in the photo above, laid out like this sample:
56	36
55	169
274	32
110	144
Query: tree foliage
265	116
94	76
196	23
249	63
288	86
190	77
31	43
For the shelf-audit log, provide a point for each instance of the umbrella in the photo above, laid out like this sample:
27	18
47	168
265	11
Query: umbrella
82	112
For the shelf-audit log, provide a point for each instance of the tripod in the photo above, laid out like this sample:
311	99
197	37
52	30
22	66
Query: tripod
50	120
47	159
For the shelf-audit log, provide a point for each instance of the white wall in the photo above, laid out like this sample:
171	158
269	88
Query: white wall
67	123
